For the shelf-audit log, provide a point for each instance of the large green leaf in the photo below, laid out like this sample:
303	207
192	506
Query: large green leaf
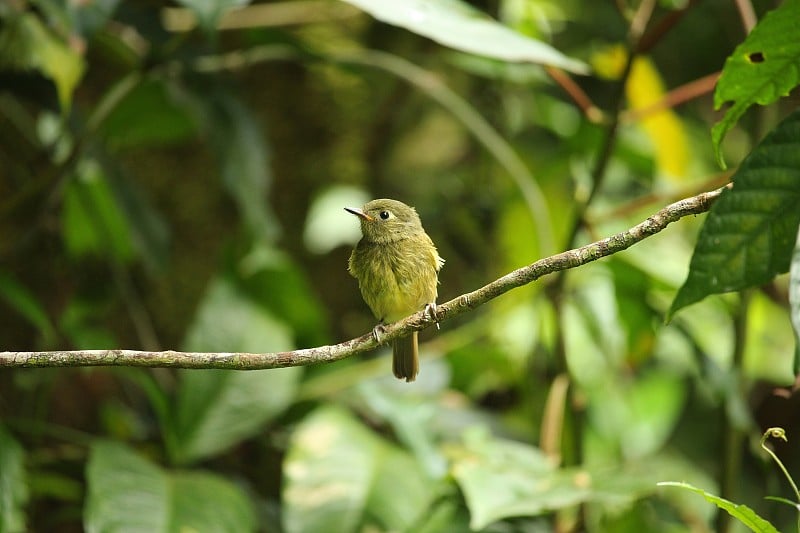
127	492
215	409
13	484
339	476
763	68
750	232
502	479
743	513
460	26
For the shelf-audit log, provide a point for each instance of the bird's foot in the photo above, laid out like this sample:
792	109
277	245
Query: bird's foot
377	331
430	311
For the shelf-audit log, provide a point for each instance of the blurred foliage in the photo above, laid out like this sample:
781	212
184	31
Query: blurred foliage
172	177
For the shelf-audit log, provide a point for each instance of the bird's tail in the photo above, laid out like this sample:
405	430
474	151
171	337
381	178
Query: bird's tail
405	358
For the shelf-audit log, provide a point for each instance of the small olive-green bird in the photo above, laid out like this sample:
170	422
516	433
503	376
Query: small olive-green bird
397	267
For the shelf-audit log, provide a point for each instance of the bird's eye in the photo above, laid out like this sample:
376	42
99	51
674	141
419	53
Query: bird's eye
385	215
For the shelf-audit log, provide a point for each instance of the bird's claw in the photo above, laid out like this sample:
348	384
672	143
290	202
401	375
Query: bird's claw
377	331
430	311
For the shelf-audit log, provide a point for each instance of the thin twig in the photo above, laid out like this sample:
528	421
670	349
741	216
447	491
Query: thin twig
675	97
592	113
325	354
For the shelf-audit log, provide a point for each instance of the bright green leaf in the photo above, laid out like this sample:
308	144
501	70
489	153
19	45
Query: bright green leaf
744	514
502	478
339	476
457	25
763	68
750	232
215	409
27	44
127	492
13	484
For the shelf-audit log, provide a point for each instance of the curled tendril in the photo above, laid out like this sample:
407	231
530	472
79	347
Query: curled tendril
779	433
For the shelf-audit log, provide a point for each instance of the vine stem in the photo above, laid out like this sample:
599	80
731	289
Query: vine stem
419	321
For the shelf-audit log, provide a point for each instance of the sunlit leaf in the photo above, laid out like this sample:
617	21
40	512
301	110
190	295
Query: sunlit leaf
744	514
763	68
326	227
127	492
458	25
794	301
27	44
502	478
750	232
216	409
340	476
13	484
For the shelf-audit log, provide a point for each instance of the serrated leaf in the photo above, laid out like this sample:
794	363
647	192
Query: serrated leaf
750	231
765	67
458	25
13	484
339	475
743	513
127	492
215	409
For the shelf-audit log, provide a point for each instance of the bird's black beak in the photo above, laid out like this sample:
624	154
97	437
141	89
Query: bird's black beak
359	213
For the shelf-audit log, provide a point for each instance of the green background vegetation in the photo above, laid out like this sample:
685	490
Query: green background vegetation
172	176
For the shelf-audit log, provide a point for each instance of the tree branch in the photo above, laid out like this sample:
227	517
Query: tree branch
325	354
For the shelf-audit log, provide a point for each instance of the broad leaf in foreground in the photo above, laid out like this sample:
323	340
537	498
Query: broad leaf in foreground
742	513
339	476
460	26
763	68
126	492
750	231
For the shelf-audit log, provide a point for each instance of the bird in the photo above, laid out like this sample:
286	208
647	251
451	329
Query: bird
397	267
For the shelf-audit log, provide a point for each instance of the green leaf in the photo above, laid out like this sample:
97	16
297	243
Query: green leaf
744	514
150	114
457	25
763	68
339	476
127	492
21	300
502	478
750	232
216	409
794	301
208	12
92	222
27	44
242	152
13	484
